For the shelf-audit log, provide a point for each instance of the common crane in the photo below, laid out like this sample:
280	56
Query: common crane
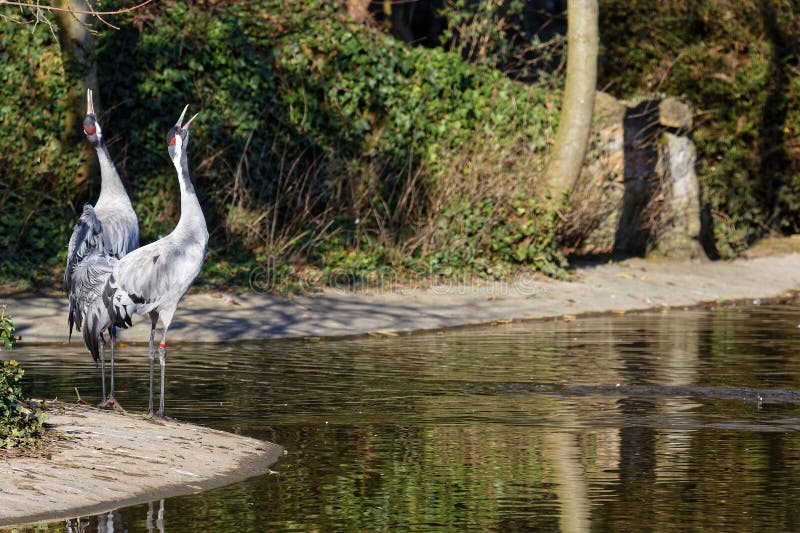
110	227
152	279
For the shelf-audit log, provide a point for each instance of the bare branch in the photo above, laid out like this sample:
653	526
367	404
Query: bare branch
9	18
92	12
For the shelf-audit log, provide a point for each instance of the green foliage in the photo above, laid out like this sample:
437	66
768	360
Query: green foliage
512	36
736	62
329	145
20	425
478	30
321	142
7	337
36	168
513	230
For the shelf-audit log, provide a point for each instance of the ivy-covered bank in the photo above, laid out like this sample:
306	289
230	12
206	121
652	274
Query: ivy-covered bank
324	147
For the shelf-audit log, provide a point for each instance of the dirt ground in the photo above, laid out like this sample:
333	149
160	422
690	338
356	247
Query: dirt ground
94	461
634	284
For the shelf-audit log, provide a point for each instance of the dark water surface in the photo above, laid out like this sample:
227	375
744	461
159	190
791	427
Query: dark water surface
675	421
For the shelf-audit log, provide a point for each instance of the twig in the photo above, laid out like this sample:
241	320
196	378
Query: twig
78	394
14	3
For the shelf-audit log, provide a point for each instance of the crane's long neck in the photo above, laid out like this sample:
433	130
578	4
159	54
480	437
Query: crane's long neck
192	221
111	187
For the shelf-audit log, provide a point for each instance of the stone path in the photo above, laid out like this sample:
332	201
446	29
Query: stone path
630	285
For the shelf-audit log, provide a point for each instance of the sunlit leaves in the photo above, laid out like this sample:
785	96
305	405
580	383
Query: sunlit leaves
20	425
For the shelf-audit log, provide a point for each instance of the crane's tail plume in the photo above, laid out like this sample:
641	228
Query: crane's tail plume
92	328
90	312
101	304
87	239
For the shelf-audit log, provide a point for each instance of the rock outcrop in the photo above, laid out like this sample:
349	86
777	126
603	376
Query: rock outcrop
638	193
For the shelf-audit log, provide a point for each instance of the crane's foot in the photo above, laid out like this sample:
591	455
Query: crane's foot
111	403
160	416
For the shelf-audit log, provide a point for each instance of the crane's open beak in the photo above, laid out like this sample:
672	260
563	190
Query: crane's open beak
185	127
89	102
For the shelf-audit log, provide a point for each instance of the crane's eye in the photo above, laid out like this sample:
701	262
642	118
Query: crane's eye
171	141
89	129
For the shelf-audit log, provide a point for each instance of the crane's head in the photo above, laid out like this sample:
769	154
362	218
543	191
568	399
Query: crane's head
90	125
178	136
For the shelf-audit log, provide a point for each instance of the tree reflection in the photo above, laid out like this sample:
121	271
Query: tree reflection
608	423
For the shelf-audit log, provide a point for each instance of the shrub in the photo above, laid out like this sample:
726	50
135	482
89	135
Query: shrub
7	337
321	143
20	425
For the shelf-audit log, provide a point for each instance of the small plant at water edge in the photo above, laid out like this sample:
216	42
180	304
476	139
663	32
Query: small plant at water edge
7	338
20	424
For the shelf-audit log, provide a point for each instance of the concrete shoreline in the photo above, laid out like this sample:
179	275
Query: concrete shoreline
631	285
103	460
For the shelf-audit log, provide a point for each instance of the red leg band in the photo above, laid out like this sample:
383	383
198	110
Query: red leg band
162	345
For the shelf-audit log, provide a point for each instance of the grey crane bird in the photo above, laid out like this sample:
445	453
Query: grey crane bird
109	227
152	279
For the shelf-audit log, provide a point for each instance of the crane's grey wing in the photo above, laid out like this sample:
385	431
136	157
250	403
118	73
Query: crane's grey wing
155	276
110	229
87	308
86	240
120	227
138	284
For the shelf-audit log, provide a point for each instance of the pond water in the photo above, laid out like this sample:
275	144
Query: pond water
682	420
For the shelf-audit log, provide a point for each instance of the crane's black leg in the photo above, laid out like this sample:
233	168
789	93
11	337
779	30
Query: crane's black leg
110	401
103	366
113	338
153	319
162	352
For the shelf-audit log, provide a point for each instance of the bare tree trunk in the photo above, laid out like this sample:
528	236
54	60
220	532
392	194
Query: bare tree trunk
575	125
80	66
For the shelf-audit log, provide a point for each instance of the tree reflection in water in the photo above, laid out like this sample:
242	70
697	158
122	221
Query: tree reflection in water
606	423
